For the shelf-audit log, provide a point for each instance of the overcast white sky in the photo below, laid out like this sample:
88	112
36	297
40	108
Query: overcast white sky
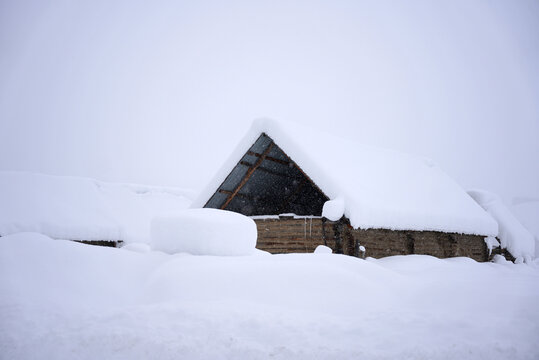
160	92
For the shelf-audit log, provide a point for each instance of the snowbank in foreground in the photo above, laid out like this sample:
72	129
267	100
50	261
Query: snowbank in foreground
513	236
205	232
83	209
55	302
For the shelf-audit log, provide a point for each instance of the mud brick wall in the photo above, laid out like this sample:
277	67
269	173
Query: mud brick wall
381	242
437	244
289	235
472	246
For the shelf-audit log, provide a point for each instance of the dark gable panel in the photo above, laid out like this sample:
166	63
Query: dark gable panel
279	167
249	159
277	153
267	182
241	205
261	144
216	201
234	178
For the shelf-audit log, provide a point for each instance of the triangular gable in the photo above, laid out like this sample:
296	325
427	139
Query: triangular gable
266	181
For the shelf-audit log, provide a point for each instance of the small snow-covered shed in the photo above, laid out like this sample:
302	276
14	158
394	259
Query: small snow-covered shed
306	188
82	209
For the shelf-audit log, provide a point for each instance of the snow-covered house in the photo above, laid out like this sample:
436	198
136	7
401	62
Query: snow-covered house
305	188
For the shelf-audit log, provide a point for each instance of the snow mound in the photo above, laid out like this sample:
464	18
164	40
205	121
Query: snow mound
134	206
333	209
513	236
76	208
374	187
322	249
137	247
205	232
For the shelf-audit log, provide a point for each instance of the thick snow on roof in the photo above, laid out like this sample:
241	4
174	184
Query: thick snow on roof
380	188
527	212
513	236
83	209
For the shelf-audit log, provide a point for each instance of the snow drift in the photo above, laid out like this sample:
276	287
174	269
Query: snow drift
205	232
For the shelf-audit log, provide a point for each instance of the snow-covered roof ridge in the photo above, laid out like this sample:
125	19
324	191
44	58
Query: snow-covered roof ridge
380	188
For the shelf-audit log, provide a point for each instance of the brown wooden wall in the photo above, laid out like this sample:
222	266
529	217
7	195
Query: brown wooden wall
288	235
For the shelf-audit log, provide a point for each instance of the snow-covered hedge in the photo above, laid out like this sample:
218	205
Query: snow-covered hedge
205	232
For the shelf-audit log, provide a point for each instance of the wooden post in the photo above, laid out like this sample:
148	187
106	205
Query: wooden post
338	237
324	231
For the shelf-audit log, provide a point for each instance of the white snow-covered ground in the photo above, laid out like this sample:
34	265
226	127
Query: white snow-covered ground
64	300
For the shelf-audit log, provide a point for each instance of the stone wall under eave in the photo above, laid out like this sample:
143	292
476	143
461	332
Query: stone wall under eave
289	235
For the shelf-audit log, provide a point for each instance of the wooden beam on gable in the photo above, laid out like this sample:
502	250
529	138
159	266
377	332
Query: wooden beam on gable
270	158
247	175
288	162
269	171
226	192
